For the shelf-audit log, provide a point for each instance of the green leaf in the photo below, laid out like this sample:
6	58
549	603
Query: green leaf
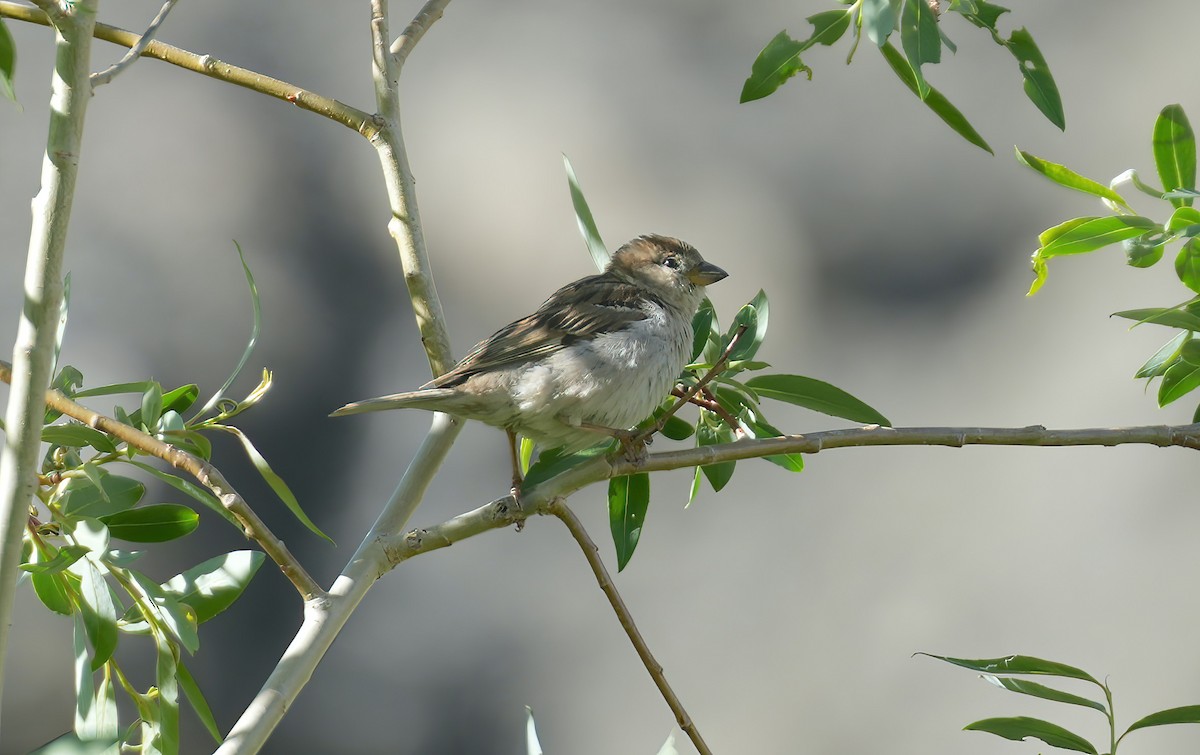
95	709
763	429
628	500
62	558
1187	265
934	99
551	464
1040	690
255	327
180	399
275	481
195	698
702	327
99	612
1039	84
212	586
1175	152
71	744
1171	317
878	18
816	395
828	26
1156	365
707	434
157	523
1081	235
1187	714
83	498
920	39
108	390
587	223
754	315
152	405
1064	176
1019	664
166	669
1190	352
775	64
980	13
191	489
1018	728
8	62
75	435
1145	250
51	589
678	429
1179	380
1185	221
532	745
169	614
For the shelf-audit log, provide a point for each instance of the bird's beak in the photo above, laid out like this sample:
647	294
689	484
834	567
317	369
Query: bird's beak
707	273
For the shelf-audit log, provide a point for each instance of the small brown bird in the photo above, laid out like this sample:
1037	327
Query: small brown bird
594	360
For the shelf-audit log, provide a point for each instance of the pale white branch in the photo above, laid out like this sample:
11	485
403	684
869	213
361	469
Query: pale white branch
110	73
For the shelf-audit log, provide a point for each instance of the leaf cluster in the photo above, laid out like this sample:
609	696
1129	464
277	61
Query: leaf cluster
1144	241
1006	673
922	39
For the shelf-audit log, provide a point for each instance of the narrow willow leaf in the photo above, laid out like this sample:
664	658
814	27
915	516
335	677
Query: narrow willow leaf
678	429
76	435
697	476
720	473
763	429
275	481
1039	84
756	331
51	587
701	327
628	500
1185	221
166	679
1175	152
1187	265
551	464
152	406
532	745
816	395
1082	235
1019	728
775	64
587	223
85	683
195	698
1187	714
255	327
878	18
99	612
8	62
1190	352
1156	365
1064	176
920	39
156	523
1019	664
169	615
525	454
108	390
115	494
1170	317
212	586
933	99
64	557
191	489
1034	689
1178	381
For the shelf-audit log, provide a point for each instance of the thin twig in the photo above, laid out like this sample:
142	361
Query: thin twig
707	400
560	509
416	29
110	73
351	117
204	472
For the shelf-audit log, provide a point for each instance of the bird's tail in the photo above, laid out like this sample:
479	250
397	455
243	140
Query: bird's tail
433	399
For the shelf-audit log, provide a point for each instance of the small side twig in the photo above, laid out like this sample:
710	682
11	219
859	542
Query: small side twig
559	508
110	73
416	29
707	400
204	472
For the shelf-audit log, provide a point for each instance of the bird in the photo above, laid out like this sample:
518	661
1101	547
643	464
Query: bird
593	361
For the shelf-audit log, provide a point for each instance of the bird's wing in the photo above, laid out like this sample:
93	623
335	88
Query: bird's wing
583	310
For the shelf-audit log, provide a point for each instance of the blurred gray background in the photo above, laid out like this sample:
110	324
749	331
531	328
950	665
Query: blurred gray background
786	609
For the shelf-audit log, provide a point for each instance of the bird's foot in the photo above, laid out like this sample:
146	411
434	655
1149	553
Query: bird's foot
633	445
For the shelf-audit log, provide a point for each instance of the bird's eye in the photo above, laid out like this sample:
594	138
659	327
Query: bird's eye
671	262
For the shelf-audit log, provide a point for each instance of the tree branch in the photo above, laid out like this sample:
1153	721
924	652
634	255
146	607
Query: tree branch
110	73
416	29
207	65
560	509
204	472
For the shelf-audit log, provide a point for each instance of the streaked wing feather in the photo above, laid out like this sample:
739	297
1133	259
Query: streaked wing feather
583	310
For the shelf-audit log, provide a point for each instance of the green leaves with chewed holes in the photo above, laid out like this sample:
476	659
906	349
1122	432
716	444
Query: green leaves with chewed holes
780	59
1001	672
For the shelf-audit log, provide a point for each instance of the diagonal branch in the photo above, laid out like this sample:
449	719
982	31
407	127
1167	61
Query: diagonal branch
207	65
110	73
204	472
416	29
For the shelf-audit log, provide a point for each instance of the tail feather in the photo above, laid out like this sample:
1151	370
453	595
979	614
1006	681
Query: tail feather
433	399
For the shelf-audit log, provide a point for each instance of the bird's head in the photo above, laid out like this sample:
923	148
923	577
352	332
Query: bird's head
668	268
